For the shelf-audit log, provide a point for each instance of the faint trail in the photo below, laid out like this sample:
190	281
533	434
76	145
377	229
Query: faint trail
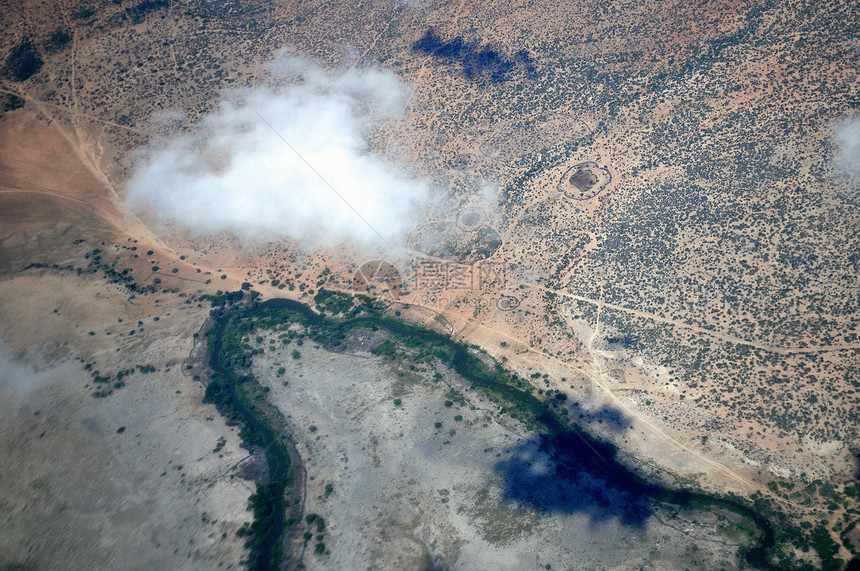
595	332
373	43
174	277
679	446
458	13
73	57
727	337
722	336
71	113
102	213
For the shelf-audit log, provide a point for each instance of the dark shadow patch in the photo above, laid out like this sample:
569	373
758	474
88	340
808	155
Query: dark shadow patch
138	13
58	40
573	473
84	13
609	417
9	102
525	61
624	341
476	62
23	62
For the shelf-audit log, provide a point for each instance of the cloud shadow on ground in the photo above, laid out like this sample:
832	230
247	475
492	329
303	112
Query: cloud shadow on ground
572	472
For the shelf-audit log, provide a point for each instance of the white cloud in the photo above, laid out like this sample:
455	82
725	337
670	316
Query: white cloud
16	381
13	375
847	134
168	117
234	173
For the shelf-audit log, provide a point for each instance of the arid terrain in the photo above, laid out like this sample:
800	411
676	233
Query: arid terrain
643	206
406	481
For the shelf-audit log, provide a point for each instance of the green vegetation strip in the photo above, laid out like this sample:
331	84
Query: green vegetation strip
241	399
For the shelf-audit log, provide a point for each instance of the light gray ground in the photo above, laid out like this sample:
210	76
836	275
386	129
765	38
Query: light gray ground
406	495
130	481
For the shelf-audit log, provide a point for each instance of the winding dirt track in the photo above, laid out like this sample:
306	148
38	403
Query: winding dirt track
596	376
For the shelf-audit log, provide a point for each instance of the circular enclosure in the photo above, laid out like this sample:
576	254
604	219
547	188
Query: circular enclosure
508	303
584	181
470	219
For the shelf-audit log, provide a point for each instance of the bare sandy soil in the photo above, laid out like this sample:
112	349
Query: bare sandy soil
129	481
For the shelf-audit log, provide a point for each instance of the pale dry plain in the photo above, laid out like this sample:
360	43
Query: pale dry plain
422	485
708	292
